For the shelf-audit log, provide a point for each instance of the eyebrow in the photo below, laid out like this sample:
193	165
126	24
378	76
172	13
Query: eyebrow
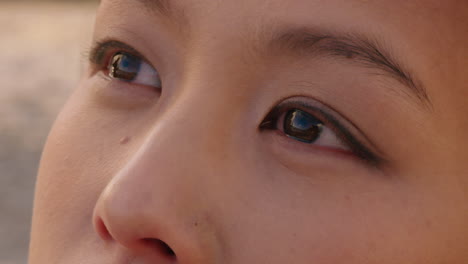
301	41
358	48
162	7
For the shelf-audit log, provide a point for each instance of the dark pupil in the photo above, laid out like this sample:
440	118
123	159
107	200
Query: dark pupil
302	126
124	66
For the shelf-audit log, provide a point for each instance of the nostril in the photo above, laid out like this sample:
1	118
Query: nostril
160	245
102	230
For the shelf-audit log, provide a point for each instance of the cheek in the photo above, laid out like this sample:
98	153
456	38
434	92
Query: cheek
83	151
270	207
330	218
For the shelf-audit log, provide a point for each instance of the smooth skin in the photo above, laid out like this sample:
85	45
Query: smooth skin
188	174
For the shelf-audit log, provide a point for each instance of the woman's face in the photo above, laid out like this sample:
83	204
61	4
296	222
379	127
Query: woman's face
258	131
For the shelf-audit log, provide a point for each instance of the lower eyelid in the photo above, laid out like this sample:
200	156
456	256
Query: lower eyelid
316	146
122	94
282	143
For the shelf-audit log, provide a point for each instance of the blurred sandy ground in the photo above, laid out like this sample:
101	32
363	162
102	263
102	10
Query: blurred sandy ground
40	55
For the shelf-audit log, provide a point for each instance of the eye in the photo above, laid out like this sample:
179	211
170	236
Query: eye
316	124
304	127
130	68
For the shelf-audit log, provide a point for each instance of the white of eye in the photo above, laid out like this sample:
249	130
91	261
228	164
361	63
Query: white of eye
147	75
130	68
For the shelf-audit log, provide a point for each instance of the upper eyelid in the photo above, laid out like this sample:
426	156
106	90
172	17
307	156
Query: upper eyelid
100	49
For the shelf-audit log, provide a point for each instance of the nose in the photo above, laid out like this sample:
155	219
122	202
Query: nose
155	205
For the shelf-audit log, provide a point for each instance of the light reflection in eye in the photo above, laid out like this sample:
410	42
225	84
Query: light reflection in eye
302	126
126	67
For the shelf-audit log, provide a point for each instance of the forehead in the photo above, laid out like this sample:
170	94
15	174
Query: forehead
416	7
398	12
429	24
415	16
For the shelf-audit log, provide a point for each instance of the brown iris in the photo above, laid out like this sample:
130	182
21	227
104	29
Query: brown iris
302	126
124	66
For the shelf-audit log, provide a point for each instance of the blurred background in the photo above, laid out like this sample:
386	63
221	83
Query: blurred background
41	46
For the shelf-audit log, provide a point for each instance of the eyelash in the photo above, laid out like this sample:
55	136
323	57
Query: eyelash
102	52
346	137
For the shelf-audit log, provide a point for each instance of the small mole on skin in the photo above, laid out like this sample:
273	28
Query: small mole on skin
124	140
